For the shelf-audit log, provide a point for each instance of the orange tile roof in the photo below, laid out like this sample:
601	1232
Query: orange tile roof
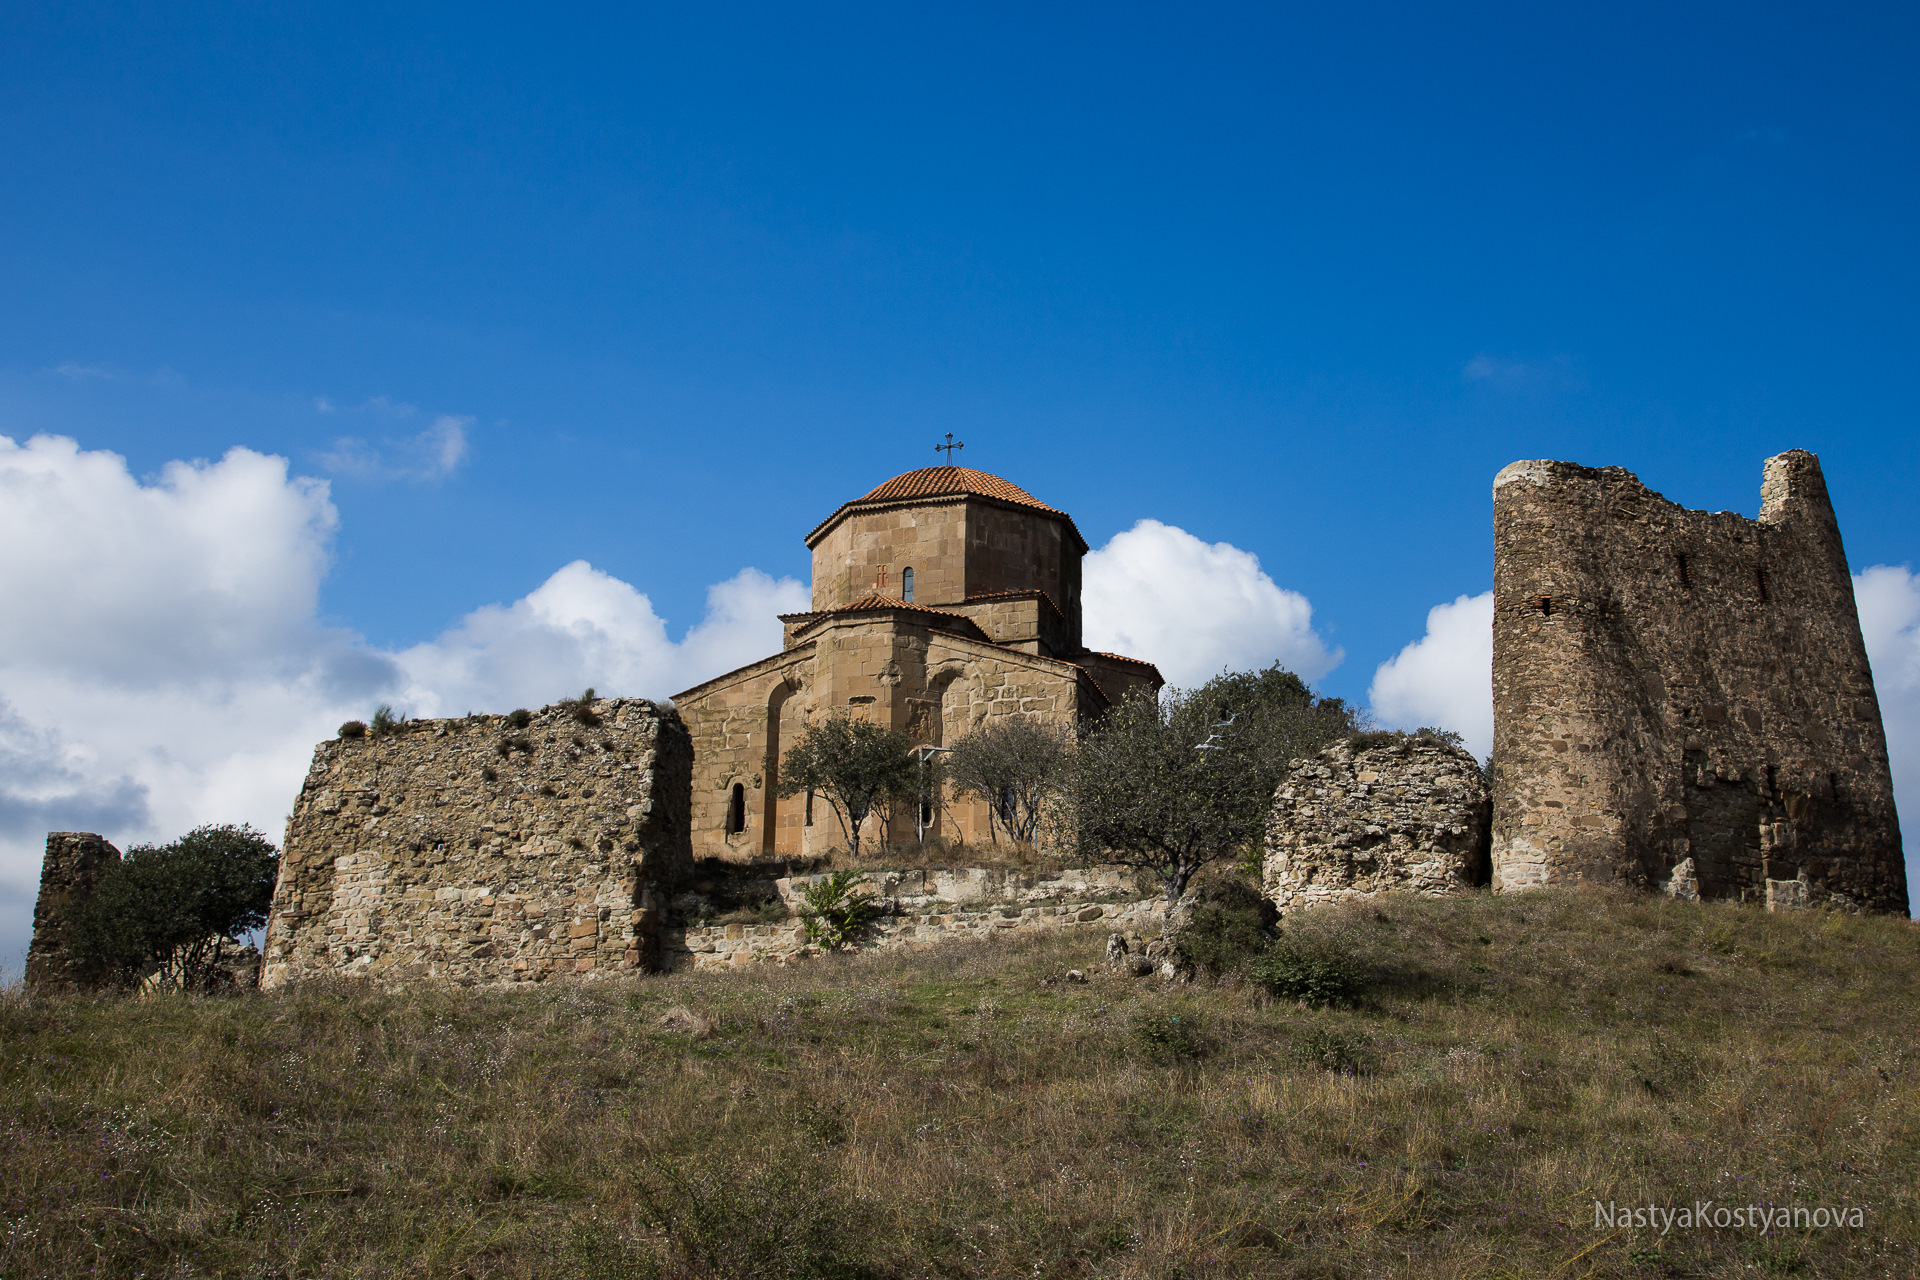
935	482
942	482
1121	657
872	600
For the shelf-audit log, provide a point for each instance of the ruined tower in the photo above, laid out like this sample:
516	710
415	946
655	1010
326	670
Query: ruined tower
1682	698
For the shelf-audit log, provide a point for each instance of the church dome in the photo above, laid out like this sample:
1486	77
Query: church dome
939	482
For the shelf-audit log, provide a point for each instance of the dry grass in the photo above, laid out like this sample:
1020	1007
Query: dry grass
965	1112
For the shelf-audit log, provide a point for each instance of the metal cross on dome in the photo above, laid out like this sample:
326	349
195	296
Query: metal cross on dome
950	446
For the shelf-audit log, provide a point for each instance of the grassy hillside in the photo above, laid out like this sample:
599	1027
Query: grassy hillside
966	1111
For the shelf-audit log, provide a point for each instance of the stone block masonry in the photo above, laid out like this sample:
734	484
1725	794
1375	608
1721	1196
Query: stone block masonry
74	863
476	851
924	907
1684	695
1410	815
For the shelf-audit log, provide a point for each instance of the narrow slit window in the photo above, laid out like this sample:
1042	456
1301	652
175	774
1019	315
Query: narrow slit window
906	585
1760	581
809	806
1686	576
737	810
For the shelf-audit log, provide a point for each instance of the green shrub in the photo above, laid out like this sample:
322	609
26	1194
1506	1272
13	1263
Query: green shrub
168	908
1175	1036
832	912
353	729
520	718
1228	923
385	723
1292	970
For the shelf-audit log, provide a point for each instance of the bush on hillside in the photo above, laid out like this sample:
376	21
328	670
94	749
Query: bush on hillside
1228	922
170	908
1292	969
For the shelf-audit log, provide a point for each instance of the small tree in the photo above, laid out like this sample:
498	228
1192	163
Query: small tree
1015	764
855	765
1169	785
169	907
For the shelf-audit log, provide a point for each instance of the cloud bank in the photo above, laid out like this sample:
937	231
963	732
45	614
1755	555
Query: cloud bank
1888	597
1195	608
162	665
1445	678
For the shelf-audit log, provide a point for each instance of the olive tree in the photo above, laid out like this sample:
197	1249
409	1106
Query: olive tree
855	765
168	908
1167	785
1016	764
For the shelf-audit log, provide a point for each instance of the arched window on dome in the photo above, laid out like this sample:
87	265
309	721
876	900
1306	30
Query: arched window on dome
906	585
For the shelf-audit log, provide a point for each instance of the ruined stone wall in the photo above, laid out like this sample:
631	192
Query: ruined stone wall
925	907
1411	815
1672	684
74	863
476	851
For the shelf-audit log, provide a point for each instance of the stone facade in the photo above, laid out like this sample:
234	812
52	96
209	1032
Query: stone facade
73	864
478	851
924	907
993	629
1682	687
1410	815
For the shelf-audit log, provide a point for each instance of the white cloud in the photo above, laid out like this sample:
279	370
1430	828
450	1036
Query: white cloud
1556	373
79	372
1195	609
1445	678
1888	597
161	664
583	627
431	455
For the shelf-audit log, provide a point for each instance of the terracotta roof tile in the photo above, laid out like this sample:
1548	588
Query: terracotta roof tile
934	482
873	600
1121	657
941	482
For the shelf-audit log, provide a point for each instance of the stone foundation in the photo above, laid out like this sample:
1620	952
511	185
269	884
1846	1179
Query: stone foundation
925	907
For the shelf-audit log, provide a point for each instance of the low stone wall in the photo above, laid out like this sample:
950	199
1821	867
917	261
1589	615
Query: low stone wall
924	907
1409	815
479	850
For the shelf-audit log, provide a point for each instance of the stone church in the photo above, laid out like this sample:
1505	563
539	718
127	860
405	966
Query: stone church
942	599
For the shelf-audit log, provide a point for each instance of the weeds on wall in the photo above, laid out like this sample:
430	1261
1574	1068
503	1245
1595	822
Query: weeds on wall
834	909
581	710
519	718
385	723
353	729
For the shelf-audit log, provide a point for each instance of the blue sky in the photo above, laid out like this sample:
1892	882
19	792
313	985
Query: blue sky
1294	279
